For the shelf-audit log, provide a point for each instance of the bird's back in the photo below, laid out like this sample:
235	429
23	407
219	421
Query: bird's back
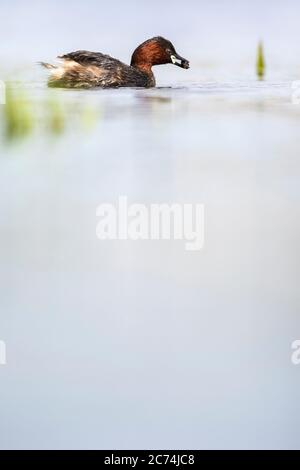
84	69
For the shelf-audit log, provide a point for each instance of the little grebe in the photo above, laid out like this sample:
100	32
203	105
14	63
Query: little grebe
83	69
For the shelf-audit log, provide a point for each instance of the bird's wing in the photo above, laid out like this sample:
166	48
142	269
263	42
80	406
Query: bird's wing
91	58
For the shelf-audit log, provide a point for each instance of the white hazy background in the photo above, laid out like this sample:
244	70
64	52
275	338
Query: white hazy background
218	32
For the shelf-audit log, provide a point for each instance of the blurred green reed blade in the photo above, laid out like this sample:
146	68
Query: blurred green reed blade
18	115
88	118
56	122
260	64
22	115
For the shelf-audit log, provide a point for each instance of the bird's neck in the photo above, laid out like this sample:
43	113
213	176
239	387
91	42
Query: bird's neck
143	67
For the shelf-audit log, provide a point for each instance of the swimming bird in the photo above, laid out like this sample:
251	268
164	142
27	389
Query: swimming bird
84	69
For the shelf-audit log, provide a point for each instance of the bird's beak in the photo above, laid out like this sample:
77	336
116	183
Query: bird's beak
176	59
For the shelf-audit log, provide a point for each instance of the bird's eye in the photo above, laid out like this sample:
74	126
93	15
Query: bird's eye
168	51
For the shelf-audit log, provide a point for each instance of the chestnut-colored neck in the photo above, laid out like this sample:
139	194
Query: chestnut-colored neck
142	59
143	67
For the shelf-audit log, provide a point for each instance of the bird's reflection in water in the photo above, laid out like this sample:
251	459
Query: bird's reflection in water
154	99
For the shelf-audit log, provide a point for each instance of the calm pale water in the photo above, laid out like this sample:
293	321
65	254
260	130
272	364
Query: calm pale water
142	344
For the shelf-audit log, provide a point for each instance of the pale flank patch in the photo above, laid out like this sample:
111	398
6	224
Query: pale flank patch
62	68
71	66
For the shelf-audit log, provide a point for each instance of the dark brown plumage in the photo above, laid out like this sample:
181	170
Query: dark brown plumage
84	69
